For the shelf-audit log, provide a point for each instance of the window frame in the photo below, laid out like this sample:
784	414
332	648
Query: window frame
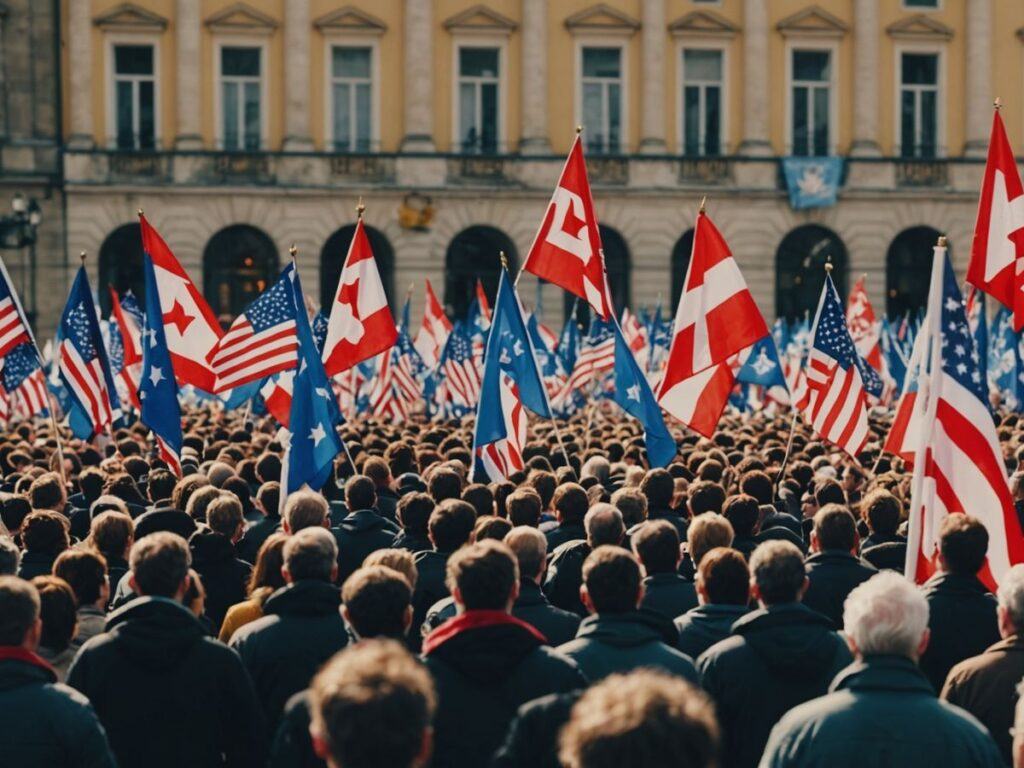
476	41
723	120
905	6
940	100
112	42
624	98
219	44
331	42
811	45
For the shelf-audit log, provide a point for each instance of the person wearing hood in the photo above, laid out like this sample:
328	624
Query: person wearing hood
723	589
44	723
656	544
833	569
167	694
777	657
363	530
215	559
881	711
484	662
302	625
617	637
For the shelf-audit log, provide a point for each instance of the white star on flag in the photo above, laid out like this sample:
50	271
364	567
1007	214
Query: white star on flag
156	375
317	434
633	393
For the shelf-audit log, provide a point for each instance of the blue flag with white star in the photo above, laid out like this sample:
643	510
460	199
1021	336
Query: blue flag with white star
762	366
158	391
634	396
1006	367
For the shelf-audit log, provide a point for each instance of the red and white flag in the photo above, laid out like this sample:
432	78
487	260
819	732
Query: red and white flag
190	327
481	297
864	326
433	333
717	319
997	253
504	457
360	324
567	250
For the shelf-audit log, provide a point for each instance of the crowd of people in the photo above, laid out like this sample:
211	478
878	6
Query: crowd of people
743	607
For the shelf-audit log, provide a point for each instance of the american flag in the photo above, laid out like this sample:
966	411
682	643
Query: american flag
24	381
834	399
13	330
261	341
461	369
387	399
596	356
126	344
504	457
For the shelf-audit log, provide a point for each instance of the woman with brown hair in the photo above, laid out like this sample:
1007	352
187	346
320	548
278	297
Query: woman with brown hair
265	580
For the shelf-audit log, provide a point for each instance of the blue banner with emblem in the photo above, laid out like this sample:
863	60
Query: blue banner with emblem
812	182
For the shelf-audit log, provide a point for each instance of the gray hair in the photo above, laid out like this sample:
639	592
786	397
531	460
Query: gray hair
1011	595
777	567
10	557
596	466
886	615
311	554
604	525
304	509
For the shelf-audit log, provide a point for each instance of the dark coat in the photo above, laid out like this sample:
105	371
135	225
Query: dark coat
292	746
35	564
782	533
485	665
669	594
986	686
430	587
565	576
412	542
706	625
167	694
833	574
880	713
117	569
532	606
249	545
224	575
559	533
387	504
681	523
532	739
164	519
773	518
81	521
962	620
621	642
890	555
301	628
745	545
775	659
46	724
360	534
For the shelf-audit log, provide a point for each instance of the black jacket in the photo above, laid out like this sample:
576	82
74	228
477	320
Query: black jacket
359	534
248	546
706	625
485	665
301	628
224	575
430	587
565	576
559	533
889	555
532	739
532	606
292	746
681	523
776	658
167	694
833	574
962	620
880	713
412	542
45	724
387	504
35	564
621	642
81	520
164	519
669	594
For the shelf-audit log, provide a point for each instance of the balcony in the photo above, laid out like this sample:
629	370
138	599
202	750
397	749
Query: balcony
921	172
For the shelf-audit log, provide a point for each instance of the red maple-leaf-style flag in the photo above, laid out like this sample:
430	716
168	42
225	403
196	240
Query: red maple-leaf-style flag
997	253
567	250
360	324
190	327
716	320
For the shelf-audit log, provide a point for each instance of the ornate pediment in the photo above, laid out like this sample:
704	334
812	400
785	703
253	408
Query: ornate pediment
919	27
480	18
703	24
350	20
130	17
602	18
812	22
241	18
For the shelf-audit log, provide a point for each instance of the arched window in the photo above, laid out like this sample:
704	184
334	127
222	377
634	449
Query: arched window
332	258
680	264
800	269
907	267
618	266
239	263
121	265
475	253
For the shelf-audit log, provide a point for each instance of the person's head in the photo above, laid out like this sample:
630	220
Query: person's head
481	497
743	513
657	546
377	469
91	481
645	719
632	503
10	556
20	625
200	500
658	487
268	498
723	578
85	572
312	553
827	490
304	509
705	496
571	503
882	511
184	488
451	524
758	484
834	528
1018	728
372	705
400	560
603	524
58	610
1011	602
360	493
45	532
523	507
530	547
112	534
611	581
777	573
266	571
159	566
444	484
47	492
414	512
963	544
13	511
160	485
886	615
224	516
483	576
706	532
377	602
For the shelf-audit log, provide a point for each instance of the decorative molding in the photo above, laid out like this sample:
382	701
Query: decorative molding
703	25
241	18
602	18
480	18
127	17
350	20
813	22
919	27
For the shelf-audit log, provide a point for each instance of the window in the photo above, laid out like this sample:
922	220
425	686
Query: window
921	4
351	92
602	99
241	86
134	97
919	104
702	102
811	92
478	99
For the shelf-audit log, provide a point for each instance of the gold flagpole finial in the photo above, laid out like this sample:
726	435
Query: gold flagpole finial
82	256
293	251
942	241
408	293
997	104
504	260
828	265
703	204
140	213
579	129
360	208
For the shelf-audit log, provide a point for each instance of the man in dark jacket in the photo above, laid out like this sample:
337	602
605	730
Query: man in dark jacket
302	625
659	487
883	547
570	503
779	656
363	530
167	694
986	685
656	544
833	569
962	612
414	510
881	711
723	588
617	637
43	723
267	501
216	561
379	472
484	662
603	525
530	548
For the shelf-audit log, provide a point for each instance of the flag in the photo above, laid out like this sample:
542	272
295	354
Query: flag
963	469
595	358
13	328
636	336
634	396
434	331
261	341
191	329
860	317
1006	366
158	391
128	323
569	341
24	381
82	360
977	321
567	250
460	367
715	321
998	245
482	303
319	326
360	325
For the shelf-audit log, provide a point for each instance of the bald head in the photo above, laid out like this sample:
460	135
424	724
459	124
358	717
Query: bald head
530	547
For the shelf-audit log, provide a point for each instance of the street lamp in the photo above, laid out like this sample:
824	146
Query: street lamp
20	231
